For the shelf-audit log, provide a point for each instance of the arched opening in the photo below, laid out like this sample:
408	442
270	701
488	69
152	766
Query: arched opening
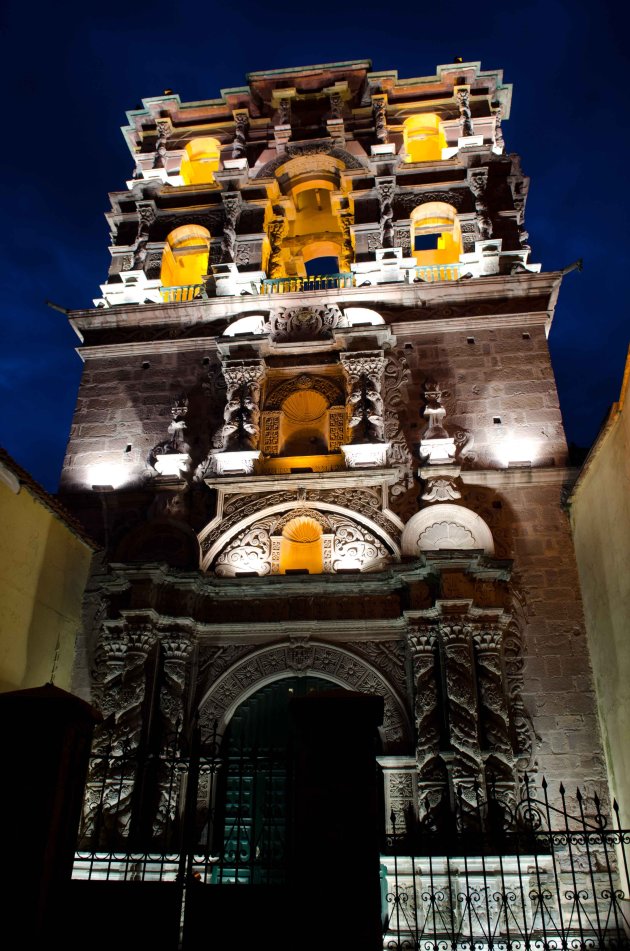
424	138
301	547
435	234
201	161
303	424
254	783
185	256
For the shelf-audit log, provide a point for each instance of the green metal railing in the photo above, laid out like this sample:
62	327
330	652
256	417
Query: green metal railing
432	273
323	282
185	292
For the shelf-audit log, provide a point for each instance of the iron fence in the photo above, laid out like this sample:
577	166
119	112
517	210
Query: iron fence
535	874
476	873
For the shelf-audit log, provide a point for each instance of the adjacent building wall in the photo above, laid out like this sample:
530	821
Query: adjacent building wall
600	517
44	565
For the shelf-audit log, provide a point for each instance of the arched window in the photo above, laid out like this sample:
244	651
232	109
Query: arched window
435	234
301	546
424	138
201	161
185	257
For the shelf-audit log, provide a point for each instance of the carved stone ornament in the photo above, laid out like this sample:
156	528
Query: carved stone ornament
305	323
299	654
436	446
379	110
478	182
241	127
172	457
364	375
440	490
232	203
386	189
462	94
276	231
256	548
241	415
446	526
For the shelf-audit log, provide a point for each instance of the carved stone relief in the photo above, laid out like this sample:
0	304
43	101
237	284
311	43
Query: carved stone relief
298	655
305	323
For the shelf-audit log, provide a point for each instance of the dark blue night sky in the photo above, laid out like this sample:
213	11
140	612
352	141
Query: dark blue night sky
70	75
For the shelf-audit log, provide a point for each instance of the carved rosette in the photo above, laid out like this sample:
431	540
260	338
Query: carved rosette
478	183
232	204
465	115
364	403
242	409
386	190
422	647
241	128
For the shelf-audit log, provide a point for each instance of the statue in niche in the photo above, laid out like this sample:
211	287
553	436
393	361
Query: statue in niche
176	444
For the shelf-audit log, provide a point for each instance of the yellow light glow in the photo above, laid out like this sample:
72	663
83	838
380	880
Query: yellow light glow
185	256
436	217
301	546
201	161
424	138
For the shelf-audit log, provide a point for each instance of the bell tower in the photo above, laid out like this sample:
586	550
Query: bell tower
319	437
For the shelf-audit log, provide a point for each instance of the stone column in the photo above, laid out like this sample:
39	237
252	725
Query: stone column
238	439
478	183
379	110
463	715
164	129
386	188
241	128
121	695
277	229
465	115
499	141
176	651
364	406
494	713
347	248
232	204
430	767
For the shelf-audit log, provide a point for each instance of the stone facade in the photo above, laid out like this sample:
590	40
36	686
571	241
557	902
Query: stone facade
357	477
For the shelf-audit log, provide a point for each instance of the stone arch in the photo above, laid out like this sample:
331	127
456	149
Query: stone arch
264	521
436	222
446	527
185	256
294	151
332	393
303	656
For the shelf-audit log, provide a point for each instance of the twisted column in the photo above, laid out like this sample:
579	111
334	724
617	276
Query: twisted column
465	115
461	692
164	129
277	229
379	111
422	646
386	188
176	651
241	128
